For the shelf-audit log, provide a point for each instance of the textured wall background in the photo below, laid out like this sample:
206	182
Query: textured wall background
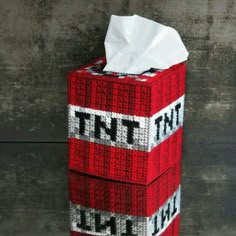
41	40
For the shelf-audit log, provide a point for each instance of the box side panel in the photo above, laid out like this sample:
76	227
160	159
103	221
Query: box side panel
101	142
108	162
109	95
169	87
97	222
174	228
163	187
124	198
165	155
107	195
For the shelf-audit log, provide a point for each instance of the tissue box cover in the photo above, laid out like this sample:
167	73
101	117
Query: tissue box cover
125	127
105	207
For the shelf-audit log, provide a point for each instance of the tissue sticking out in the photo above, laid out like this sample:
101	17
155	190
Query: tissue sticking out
134	44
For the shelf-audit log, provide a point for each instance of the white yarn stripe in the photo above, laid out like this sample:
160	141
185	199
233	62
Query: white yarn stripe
151	131
140	225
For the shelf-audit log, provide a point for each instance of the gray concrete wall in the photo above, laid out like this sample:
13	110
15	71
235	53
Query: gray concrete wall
40	41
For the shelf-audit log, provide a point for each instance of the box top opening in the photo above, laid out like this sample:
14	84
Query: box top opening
96	68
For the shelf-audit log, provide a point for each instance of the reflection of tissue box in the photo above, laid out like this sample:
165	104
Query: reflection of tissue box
103	207
125	127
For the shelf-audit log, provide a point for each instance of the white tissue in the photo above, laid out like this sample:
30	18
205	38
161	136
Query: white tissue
135	44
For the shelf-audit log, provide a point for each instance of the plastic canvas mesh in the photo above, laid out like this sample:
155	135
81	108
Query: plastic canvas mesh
125	127
172	230
103	207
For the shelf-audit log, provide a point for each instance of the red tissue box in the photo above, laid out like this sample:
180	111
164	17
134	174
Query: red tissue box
125	127
102	207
